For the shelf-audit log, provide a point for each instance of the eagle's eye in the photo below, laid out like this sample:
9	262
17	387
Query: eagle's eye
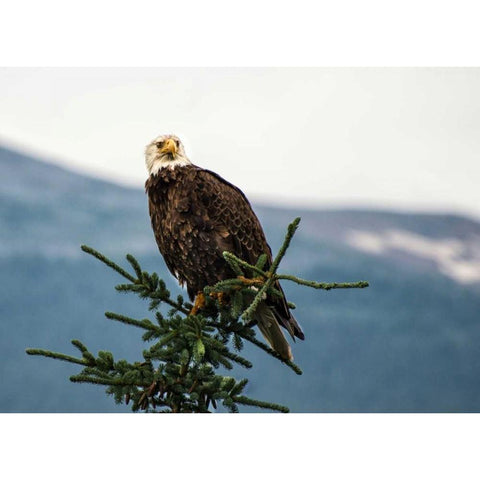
177	143
159	144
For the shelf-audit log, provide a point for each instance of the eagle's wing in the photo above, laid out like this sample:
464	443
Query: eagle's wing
238	230
230	211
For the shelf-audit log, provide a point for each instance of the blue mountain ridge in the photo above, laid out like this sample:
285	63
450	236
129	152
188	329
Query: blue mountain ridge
408	343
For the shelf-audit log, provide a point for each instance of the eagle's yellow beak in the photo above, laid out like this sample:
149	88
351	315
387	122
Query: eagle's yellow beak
169	146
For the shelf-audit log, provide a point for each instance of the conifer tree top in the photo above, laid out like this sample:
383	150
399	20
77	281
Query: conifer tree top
178	372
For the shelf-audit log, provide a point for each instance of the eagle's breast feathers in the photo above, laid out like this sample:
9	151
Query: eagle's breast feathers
196	216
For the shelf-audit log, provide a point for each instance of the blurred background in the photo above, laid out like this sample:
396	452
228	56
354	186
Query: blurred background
380	163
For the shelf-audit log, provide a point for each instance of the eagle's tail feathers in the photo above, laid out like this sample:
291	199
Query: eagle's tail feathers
290	324
285	317
297	329
268	325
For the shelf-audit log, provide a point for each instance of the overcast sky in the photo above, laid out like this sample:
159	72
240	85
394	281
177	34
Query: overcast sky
394	138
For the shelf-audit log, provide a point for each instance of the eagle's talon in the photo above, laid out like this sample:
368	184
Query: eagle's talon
221	297
199	303
256	281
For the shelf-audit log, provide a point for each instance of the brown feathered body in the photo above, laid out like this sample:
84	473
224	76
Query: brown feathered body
196	215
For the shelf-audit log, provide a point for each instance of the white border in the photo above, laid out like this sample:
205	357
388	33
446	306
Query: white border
247	33
273	446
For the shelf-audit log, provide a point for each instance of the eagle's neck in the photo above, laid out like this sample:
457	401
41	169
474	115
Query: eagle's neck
162	162
165	178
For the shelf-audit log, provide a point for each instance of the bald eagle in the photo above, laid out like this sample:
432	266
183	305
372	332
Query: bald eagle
196	215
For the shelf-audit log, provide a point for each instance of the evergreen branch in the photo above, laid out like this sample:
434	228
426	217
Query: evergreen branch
232	259
58	356
145	290
166	338
224	285
166	299
291	229
262	260
133	262
251	338
261	295
108	262
96	371
237	358
323	285
271	274
177	306
130	287
103	381
77	343
272	352
145	324
258	403
238	388
233	263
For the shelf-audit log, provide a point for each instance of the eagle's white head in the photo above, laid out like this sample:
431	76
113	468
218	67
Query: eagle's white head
166	151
